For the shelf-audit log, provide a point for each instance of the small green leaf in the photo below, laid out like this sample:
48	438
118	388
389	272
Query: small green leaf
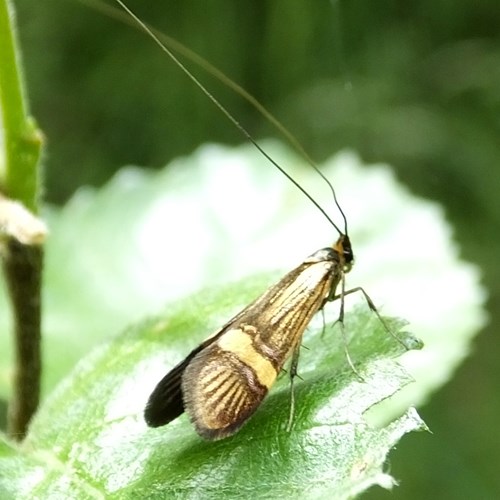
92	435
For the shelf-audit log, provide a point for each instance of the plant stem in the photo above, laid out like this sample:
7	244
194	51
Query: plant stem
22	268
22	264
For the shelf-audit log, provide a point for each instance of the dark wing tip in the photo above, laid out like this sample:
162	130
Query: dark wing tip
165	402
160	411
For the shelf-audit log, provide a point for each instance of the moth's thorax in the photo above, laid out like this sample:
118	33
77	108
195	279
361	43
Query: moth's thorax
339	254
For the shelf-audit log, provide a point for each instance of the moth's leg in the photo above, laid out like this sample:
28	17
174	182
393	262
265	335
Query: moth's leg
340	320
372	307
323	329
293	373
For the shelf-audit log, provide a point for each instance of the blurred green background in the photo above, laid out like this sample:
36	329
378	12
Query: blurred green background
415	84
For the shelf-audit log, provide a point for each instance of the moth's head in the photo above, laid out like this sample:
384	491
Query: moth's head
344	249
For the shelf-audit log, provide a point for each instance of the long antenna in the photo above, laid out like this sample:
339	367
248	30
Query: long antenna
150	32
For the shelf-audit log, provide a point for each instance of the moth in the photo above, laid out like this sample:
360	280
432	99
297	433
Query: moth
222	382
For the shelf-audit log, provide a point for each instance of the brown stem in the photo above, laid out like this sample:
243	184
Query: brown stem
23	269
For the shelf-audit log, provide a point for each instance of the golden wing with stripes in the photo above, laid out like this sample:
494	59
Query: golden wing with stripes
222	389
219	384
222	382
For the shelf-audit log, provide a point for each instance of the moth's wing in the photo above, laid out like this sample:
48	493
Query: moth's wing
223	388
166	402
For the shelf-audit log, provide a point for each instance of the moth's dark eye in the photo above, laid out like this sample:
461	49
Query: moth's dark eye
348	256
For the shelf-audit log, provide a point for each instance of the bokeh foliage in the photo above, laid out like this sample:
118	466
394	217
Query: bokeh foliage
413	84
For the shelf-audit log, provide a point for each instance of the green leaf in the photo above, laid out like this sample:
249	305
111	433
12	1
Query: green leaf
90	441
147	238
